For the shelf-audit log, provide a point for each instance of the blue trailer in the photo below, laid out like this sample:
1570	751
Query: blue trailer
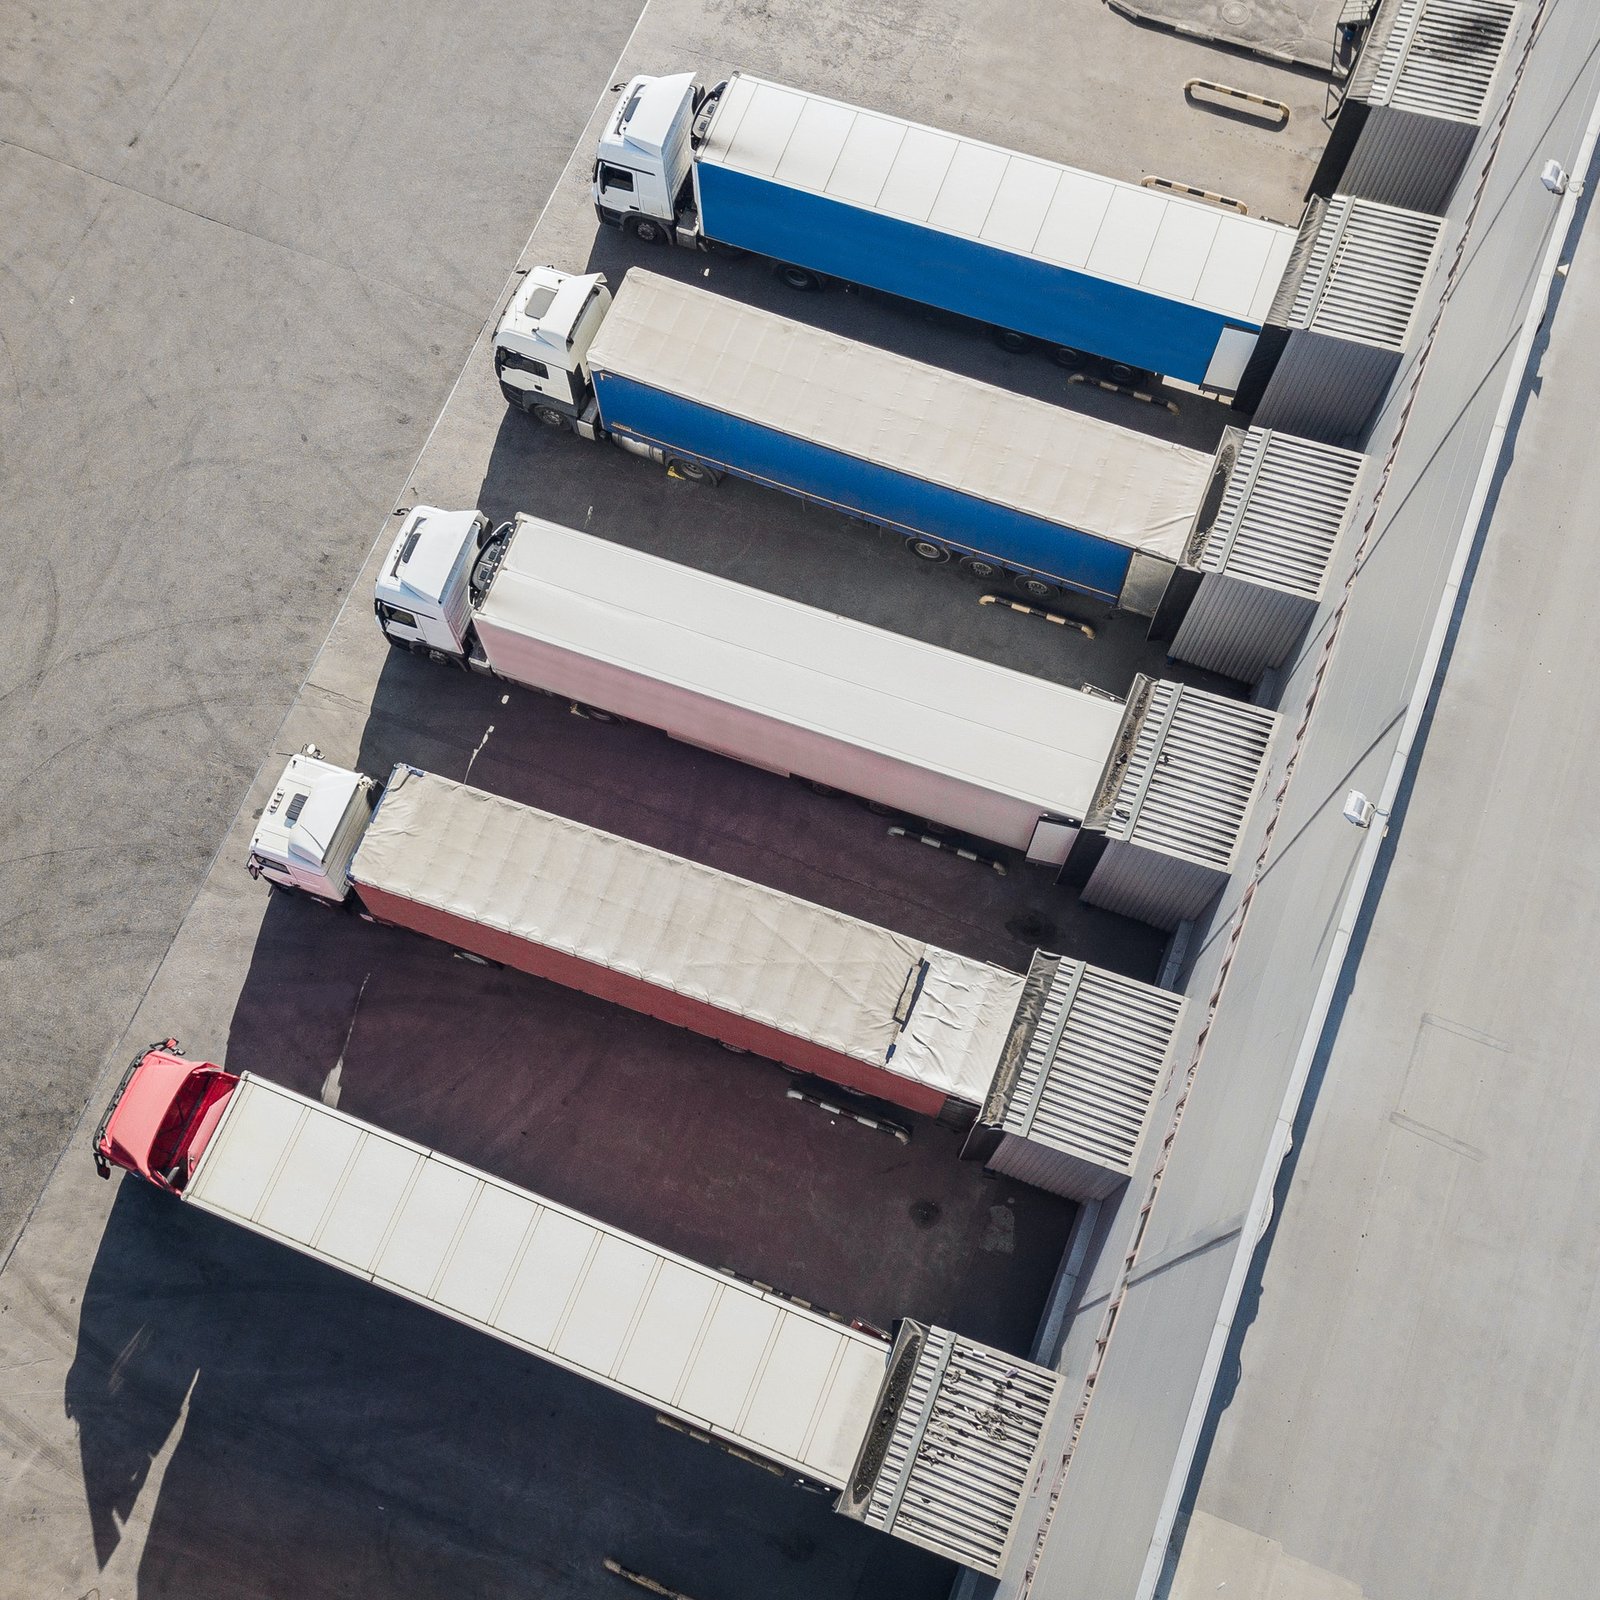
1008	484
1146	279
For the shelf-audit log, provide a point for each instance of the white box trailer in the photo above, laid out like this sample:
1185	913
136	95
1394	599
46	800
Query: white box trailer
923	730
761	1374
823	993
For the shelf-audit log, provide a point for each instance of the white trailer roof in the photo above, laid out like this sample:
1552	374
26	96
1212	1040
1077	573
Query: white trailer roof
944	712
786	1383
1068	469
856	989
1160	243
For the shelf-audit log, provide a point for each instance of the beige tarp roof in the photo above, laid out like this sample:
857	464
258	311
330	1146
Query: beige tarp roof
752	951
1072	470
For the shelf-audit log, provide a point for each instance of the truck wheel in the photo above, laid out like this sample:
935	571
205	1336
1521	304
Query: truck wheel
1008	339
977	567
927	550
647	230
595	714
1035	588
694	471
800	278
550	417
1065	356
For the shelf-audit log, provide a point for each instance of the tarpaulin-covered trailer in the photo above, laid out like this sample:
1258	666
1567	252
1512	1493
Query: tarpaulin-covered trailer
756	968
824	993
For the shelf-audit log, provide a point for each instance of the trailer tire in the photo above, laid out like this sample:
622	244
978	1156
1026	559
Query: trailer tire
648	230
800	279
694	471
927	550
1034	587
978	567
1014	343
1065	356
476	959
595	714
550	417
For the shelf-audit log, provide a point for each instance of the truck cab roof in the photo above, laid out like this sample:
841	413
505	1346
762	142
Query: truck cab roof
163	1116
302	819
422	560
647	115
544	317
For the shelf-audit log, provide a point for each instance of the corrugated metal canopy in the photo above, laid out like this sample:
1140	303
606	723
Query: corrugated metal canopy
953	1447
877	996
1163	244
1285	503
944	712
1362	271
1436	58
785	1382
1068	469
1190	764
1092	1064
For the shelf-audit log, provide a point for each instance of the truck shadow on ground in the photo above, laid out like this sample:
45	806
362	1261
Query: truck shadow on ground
332	1439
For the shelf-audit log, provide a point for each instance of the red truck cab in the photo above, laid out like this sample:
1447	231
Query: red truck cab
162	1116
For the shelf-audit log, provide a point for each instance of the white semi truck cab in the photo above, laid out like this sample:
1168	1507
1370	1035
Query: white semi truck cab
542	340
440	564
644	166
423	596
311	828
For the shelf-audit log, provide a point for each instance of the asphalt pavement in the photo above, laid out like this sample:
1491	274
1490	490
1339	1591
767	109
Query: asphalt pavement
247	250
